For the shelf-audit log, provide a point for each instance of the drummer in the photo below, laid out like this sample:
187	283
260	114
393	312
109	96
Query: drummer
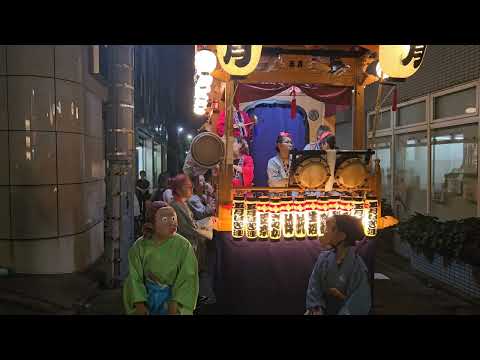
325	140
278	168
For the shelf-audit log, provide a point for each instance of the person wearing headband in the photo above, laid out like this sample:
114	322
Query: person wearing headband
163	271
243	166
325	140
278	168
339	283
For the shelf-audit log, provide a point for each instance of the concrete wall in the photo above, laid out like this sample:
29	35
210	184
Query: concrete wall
52	189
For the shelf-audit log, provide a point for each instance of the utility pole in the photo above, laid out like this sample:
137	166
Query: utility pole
120	174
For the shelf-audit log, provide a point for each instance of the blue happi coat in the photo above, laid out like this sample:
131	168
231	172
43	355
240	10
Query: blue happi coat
350	277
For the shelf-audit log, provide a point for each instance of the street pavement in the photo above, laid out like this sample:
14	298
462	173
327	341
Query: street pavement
398	291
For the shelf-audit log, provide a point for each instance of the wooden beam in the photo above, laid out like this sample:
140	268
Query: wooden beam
224	222
373	48
301	77
358	130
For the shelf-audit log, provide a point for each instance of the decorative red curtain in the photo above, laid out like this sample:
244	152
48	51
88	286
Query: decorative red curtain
332	96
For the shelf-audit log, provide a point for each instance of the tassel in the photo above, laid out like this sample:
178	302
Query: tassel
293	105
394	99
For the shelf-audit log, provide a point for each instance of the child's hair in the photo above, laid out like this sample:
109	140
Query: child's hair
351	227
321	129
143	172
280	138
331	141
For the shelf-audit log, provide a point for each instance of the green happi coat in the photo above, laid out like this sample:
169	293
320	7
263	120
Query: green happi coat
173	263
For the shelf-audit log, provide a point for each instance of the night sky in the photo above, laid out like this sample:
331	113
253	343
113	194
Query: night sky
178	76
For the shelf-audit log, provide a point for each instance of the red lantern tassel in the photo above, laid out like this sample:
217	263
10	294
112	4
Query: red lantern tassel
293	106
394	99
293	109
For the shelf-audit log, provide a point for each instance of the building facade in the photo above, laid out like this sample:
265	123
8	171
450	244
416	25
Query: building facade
52	188
429	148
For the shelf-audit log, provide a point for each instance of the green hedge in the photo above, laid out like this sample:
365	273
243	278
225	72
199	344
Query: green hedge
428	236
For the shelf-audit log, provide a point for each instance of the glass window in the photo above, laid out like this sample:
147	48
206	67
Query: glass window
382	147
384	120
462	102
411	177
454	172
411	114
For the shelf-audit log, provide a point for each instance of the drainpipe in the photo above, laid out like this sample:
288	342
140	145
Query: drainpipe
120	174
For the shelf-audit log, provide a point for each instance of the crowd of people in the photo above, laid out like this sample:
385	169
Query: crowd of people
170	265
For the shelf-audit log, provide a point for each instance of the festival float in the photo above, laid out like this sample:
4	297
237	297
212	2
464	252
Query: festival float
268	238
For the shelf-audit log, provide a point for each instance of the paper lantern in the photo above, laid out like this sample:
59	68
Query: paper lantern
345	205
333	205
312	216
357	208
251	218
202	91
370	216
205	61
238	214
262	217
274	229
287	218
299	219
400	61
204	81
323	212
239	60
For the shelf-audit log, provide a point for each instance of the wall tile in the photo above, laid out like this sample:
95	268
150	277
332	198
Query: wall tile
93	115
71	205
3	59
6	253
94	158
68	62
69	107
3	103
4	213
34	212
33	158
31	103
48	256
35	60
71	158
4	159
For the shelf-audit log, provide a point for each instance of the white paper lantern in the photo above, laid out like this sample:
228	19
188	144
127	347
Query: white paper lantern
205	61
204	81
202	89
201	104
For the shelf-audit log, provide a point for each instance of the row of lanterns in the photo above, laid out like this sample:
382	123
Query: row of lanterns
205	64
300	217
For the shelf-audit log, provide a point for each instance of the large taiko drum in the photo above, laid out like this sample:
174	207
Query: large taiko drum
312	173
207	150
351	173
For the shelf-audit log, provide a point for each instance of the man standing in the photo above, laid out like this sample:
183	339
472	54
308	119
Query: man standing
142	191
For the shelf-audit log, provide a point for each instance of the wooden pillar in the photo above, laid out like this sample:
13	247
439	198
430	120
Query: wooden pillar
359	128
226	169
